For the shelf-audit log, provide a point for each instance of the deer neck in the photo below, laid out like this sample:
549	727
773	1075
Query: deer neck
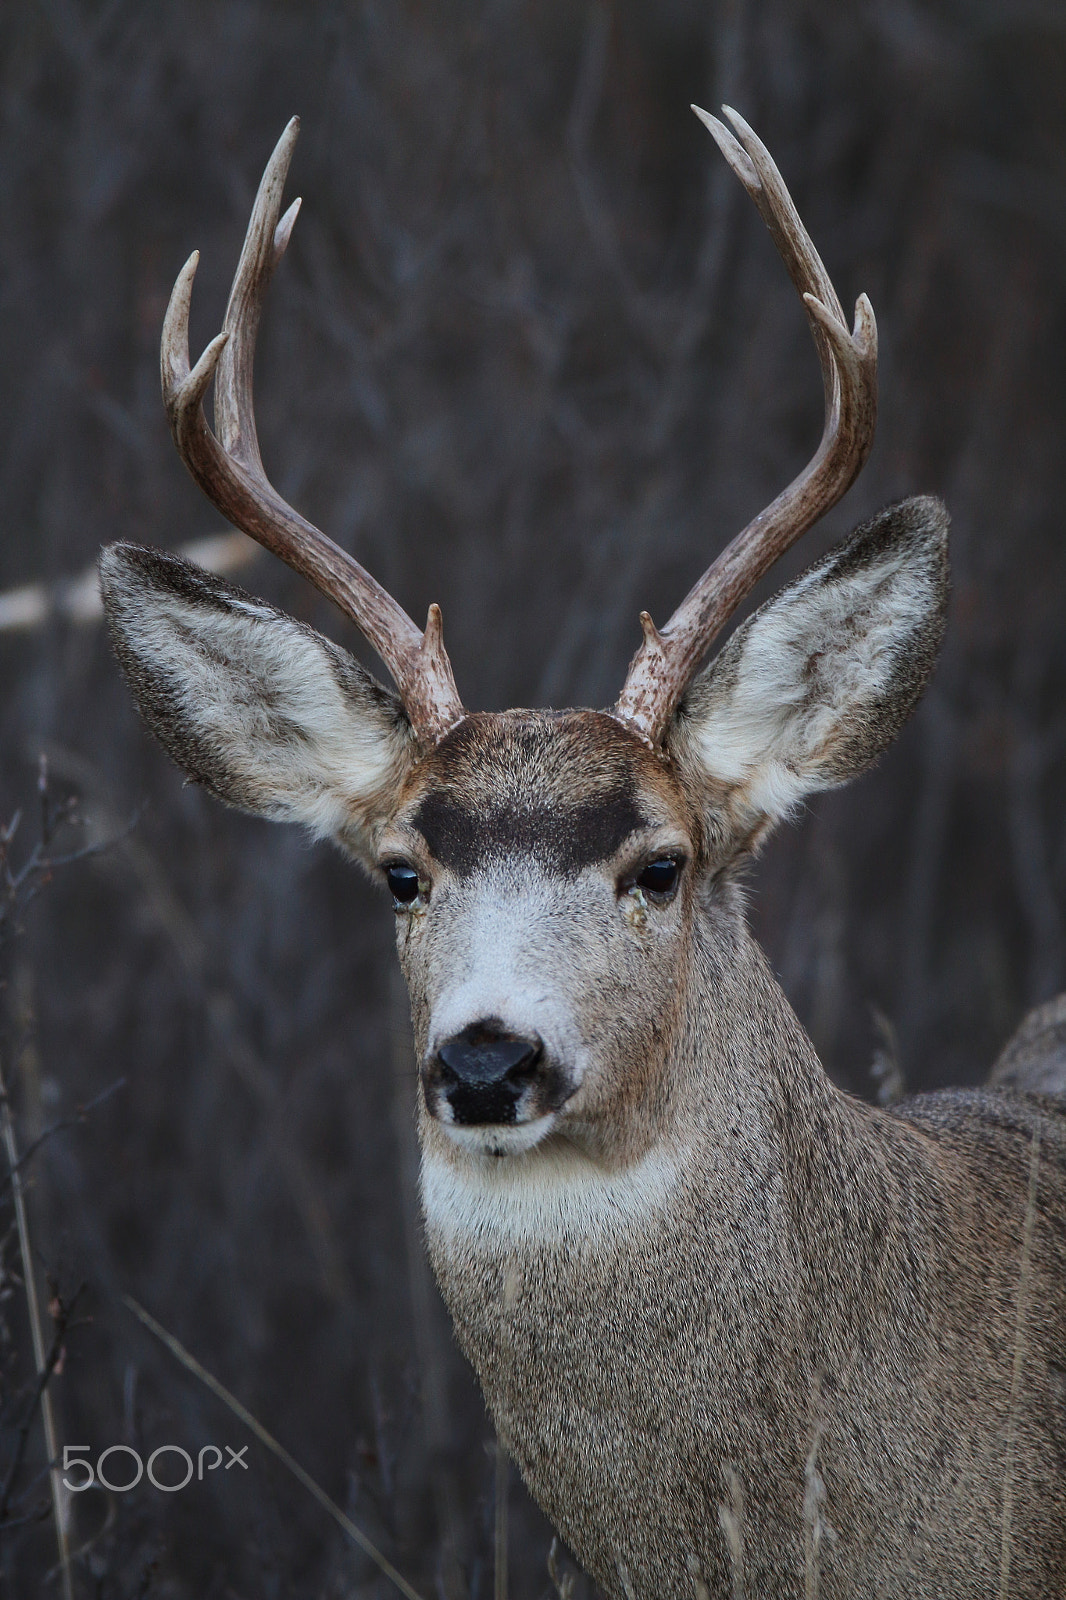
706	1302
751	1160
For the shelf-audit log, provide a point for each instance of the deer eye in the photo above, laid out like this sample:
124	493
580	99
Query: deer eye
403	882
660	876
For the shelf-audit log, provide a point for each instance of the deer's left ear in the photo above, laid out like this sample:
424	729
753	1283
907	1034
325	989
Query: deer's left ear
813	687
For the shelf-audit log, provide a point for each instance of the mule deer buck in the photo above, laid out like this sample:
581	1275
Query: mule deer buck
742	1334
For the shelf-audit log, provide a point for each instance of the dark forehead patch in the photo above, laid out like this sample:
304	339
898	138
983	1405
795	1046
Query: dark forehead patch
561	787
564	839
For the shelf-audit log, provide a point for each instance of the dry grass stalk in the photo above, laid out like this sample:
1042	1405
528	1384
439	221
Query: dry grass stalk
817	1528
503	1465
562	1582
731	1522
190	1363
41	1359
423	1295
886	1068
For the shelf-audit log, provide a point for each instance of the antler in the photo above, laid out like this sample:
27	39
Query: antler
665	662
229	468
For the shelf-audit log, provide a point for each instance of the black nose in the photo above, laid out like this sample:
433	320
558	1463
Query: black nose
483	1071
484	1053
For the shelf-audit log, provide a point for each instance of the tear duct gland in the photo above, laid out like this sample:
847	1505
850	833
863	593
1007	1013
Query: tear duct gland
742	1334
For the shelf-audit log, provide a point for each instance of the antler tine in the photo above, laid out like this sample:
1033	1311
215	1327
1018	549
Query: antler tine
229	469
666	661
264	245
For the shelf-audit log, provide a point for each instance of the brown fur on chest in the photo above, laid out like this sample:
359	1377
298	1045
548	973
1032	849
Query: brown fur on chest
661	1375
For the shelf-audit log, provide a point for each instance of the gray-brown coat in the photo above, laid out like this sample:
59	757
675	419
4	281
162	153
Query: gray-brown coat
743	1335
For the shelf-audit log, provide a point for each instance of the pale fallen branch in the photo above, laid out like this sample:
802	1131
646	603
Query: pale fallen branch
77	600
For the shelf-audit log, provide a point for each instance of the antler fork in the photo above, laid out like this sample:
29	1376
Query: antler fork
666	661
228	467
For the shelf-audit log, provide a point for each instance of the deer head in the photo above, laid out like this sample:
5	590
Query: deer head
557	876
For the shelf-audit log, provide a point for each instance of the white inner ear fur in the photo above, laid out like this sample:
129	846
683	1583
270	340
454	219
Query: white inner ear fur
782	699
268	698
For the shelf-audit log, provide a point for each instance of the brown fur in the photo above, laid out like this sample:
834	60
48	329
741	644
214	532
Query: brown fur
831	1299
1034	1059
743	1335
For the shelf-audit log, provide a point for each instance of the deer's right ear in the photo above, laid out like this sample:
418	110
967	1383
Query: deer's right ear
262	710
810	690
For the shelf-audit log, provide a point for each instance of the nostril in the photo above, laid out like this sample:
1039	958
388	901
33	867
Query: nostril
524	1069
482	1054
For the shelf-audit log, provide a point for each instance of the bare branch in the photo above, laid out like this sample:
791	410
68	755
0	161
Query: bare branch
77	600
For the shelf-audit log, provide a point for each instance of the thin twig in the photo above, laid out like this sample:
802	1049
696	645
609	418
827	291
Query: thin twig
35	874
227	1035
42	1513
40	1354
62	1324
79	1117
190	1363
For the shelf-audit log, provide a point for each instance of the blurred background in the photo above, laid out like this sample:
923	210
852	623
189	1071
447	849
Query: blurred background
532	355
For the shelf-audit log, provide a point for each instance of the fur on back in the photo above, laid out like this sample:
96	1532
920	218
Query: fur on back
1034	1058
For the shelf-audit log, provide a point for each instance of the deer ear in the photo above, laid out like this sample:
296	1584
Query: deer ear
810	690
262	710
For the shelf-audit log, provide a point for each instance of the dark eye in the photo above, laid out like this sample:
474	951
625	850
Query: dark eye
660	877
403	881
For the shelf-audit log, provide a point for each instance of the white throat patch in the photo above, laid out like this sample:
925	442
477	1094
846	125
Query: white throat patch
550	1196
